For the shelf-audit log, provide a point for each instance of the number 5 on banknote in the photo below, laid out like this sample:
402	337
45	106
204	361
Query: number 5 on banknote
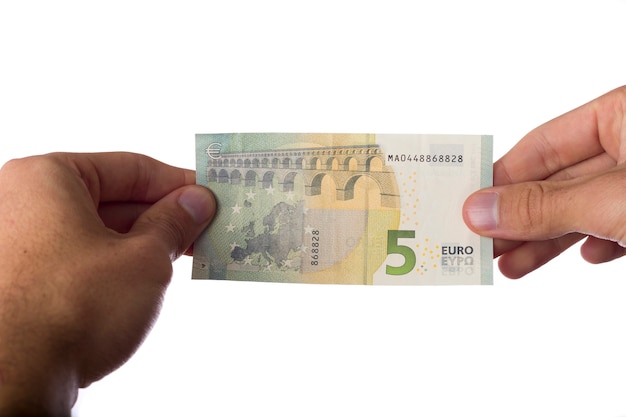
405	251
343	208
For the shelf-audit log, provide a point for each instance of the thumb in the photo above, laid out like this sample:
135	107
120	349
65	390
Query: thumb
177	219
544	210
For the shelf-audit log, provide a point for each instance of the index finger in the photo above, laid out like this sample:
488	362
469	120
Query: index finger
127	177
583	133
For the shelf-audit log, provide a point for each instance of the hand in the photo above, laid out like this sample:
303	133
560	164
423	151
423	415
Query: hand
85	258
563	181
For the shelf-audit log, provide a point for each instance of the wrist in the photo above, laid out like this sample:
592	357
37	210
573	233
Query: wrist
37	375
35	390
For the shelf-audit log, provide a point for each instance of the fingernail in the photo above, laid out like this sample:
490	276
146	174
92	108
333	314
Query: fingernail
198	202
481	210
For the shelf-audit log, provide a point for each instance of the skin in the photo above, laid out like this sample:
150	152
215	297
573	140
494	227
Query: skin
86	254
563	182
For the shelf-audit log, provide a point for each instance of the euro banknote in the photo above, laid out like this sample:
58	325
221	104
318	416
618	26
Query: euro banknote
383	209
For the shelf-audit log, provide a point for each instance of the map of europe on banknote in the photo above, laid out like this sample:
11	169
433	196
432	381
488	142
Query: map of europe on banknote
383	209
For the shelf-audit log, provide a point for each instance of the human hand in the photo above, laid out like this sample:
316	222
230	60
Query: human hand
85	258
563	181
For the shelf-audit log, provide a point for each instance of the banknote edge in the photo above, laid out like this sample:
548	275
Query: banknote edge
486	180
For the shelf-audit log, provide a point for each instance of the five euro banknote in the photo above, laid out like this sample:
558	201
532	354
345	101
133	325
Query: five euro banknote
343	208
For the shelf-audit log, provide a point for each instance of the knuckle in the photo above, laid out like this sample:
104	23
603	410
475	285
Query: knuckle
605	214
551	160
533	208
171	230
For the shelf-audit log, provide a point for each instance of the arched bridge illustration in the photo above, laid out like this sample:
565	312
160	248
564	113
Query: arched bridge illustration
344	164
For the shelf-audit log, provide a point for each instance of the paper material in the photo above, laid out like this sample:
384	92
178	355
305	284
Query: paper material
380	209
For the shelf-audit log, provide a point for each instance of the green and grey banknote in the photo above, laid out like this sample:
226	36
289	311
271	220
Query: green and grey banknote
343	208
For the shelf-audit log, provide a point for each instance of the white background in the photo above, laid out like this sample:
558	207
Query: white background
145	76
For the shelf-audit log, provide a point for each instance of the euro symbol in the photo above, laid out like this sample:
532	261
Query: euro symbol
214	150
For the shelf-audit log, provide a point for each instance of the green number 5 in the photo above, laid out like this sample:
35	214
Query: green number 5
405	251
